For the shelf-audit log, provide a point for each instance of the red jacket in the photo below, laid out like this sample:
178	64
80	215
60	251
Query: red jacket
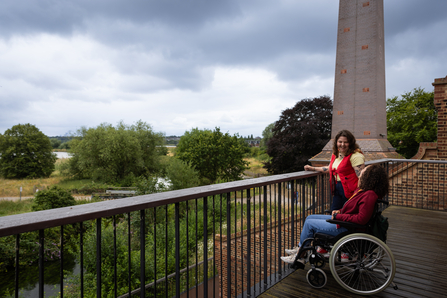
359	208
347	174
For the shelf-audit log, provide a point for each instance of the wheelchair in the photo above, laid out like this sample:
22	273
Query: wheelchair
368	266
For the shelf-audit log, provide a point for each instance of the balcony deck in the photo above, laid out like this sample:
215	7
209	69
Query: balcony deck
418	241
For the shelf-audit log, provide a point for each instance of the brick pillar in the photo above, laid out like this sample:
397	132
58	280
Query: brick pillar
441	107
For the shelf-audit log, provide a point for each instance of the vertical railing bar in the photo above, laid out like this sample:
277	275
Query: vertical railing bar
248	244
242	240
61	289
279	227
142	253
265	236
214	246
292	195
303	203
205	247
16	271
220	244
166	252
155	252
236	263
129	254
81	252
228	245
177	249
41	263
187	248
115	258
197	256
98	257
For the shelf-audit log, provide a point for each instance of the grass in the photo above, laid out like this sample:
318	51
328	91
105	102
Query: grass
255	168
15	207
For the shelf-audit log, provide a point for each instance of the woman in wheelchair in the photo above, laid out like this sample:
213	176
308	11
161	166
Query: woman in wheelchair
321	239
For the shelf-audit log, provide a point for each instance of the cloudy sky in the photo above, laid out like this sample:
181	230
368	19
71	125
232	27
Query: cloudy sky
179	64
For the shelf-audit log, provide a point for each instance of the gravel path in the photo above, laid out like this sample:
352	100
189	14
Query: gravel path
30	197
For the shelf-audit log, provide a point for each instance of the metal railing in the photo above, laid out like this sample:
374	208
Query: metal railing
224	239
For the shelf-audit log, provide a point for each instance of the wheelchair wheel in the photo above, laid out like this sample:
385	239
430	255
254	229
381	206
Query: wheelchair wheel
316	278
362	264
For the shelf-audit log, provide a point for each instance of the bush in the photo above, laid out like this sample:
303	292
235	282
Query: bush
182	175
55	197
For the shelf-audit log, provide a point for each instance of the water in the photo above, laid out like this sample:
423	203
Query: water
29	278
62	154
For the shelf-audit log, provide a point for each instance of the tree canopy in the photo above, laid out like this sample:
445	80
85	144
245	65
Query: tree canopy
411	119
300	133
116	154
25	152
212	154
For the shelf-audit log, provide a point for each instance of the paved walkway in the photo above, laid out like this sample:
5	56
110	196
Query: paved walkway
30	197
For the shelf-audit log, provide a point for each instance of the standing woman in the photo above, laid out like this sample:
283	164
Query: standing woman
347	162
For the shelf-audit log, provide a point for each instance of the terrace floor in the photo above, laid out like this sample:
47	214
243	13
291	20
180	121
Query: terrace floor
418	240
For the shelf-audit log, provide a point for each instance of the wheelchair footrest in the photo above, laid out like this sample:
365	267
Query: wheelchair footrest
297	265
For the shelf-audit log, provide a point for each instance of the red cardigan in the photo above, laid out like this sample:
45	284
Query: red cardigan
359	208
347	174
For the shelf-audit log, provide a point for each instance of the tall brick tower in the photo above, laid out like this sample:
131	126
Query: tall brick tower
359	92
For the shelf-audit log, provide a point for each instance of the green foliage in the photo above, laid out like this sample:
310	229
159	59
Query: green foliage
110	154
181	175
55	197
159	240
300	133
267	134
411	120
148	185
55	143
213	155
25	152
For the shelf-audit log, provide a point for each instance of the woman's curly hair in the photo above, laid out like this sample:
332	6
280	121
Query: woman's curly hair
353	146
375	177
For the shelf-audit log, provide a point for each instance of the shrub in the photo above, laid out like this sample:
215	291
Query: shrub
55	197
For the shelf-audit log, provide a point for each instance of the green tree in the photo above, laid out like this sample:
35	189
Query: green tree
213	155
300	133
55	143
116	154
267	134
181	175
25	152
411	119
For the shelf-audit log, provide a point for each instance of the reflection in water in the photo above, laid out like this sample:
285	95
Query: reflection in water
29	278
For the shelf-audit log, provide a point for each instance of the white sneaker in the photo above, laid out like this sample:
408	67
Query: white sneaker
289	259
292	251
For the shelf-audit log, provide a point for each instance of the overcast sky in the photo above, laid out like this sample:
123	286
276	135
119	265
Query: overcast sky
179	64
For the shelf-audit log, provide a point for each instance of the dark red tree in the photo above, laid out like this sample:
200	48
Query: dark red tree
300	133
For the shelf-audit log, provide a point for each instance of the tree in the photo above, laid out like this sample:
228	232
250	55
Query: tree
213	155
25	152
267	134
300	133
116	154
411	120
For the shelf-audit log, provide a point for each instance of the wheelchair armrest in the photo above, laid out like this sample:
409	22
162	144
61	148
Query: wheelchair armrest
383	202
346	224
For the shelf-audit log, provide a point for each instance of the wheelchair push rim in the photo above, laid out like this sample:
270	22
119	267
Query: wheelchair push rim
369	268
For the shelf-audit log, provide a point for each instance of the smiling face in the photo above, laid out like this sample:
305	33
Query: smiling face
342	145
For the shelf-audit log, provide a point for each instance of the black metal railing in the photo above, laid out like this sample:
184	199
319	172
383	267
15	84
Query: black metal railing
223	239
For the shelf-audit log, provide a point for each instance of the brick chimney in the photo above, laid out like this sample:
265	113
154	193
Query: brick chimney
441	107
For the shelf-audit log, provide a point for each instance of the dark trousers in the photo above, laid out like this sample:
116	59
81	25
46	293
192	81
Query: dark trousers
339	198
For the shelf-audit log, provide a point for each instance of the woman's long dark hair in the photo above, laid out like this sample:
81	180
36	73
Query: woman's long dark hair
375	177
353	146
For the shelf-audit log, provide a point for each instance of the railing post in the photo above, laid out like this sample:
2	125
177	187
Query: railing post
228	245
142	253
98	257
205	247
41	263
279	225
248	243
292	195
16	281
177	249
265	237
62	263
